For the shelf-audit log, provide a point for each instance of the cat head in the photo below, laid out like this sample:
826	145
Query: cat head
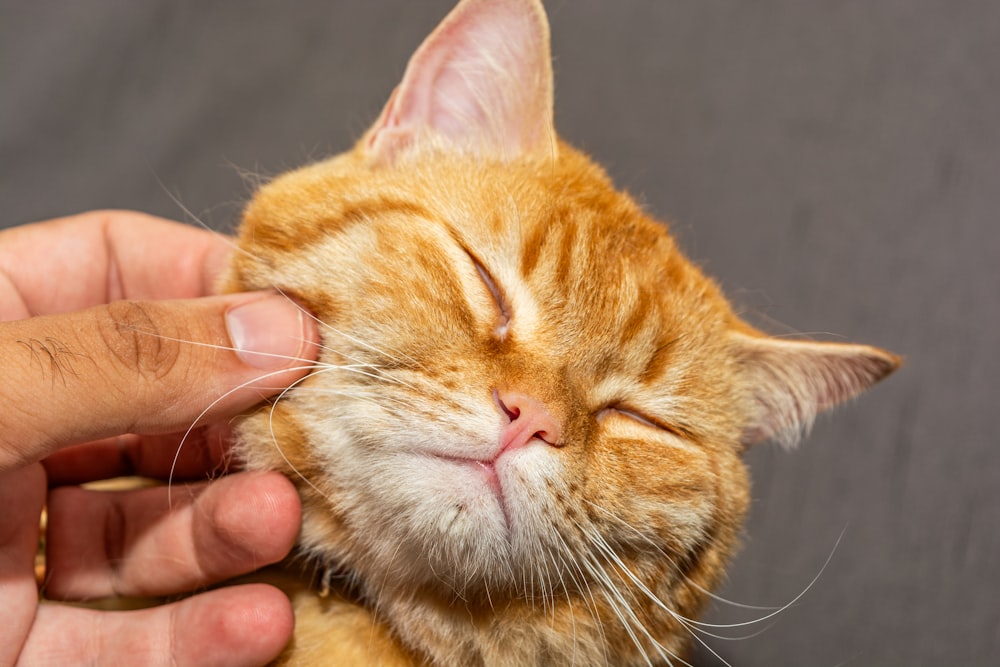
527	396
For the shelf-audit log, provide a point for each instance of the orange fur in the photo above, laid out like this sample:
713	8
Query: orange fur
450	258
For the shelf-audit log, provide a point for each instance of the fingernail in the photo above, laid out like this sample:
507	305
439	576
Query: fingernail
267	333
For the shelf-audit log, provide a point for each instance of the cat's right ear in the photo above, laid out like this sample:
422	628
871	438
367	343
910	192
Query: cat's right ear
791	381
480	84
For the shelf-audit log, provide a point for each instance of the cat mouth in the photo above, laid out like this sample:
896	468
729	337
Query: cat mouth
484	468
483	474
490	475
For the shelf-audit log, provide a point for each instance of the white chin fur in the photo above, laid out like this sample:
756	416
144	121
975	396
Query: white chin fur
447	522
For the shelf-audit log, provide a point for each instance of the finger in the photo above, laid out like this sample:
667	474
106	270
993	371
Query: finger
177	457
22	493
145	542
240	625
144	367
86	260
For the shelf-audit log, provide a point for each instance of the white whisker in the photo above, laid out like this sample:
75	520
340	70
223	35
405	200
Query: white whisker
228	348
673	562
358	341
209	408
785	606
274	438
694	627
620	568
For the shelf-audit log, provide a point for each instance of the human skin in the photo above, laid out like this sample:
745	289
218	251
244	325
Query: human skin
113	346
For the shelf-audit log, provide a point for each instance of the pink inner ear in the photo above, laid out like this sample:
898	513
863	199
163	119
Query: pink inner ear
481	83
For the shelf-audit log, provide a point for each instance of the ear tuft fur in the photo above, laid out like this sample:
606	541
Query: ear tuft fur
790	382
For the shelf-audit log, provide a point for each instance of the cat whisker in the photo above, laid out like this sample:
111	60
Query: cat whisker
274	437
676	567
696	628
611	595
785	606
546	588
584	585
489	598
774	611
287	357
726	638
314	367
629	618
253	179
569	600
359	393
358	370
357	341
591	603
181	205
361	363
626	573
543	585
209	408
581	585
624	613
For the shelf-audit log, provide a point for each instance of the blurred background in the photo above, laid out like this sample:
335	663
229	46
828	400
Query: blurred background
836	165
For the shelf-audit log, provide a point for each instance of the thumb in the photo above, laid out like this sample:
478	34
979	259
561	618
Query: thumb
144	367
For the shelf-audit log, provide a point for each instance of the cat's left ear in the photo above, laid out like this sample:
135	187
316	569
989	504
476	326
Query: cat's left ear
790	381
480	84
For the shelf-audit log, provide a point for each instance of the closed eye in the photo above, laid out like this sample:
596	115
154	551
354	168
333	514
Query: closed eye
637	417
503	310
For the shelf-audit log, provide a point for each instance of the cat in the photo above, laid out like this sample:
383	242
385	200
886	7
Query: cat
522	443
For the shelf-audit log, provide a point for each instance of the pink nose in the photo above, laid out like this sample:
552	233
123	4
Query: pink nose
528	419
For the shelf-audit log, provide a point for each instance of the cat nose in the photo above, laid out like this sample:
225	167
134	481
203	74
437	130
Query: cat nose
528	419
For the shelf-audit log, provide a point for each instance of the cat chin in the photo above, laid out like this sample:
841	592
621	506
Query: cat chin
453	526
506	478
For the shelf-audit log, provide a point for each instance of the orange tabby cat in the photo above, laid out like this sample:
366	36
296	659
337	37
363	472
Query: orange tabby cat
522	444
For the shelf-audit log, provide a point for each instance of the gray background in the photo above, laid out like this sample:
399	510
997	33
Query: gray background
835	164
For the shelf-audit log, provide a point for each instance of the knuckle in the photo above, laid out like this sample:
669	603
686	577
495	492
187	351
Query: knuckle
139	338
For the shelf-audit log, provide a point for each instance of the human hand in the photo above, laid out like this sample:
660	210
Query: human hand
95	387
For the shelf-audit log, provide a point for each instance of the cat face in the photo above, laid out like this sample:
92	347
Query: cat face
525	392
462	299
